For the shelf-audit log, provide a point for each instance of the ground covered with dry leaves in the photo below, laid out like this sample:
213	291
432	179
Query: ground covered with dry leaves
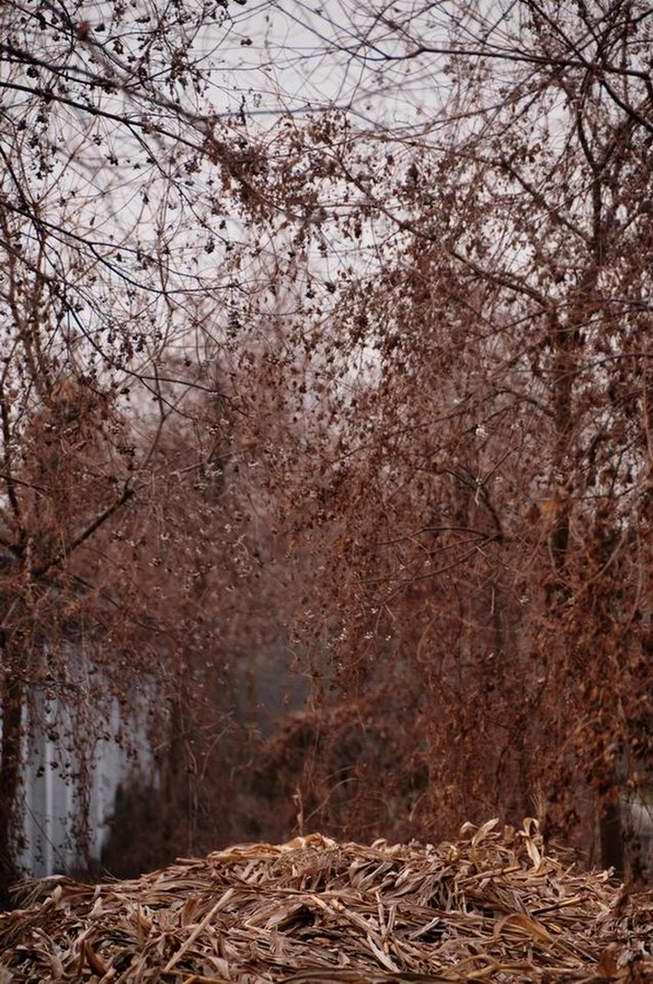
490	906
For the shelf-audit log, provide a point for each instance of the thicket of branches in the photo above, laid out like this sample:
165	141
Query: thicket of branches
376	382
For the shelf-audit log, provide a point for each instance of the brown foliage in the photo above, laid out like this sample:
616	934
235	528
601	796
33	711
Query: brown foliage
398	425
491	905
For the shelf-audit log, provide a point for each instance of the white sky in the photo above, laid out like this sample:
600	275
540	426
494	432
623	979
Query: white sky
304	55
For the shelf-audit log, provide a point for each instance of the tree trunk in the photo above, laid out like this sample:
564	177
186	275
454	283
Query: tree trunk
611	835
10	775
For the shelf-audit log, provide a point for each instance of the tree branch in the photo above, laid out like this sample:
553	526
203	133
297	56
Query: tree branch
37	572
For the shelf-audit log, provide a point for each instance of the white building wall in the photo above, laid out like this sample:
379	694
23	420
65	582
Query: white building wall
50	787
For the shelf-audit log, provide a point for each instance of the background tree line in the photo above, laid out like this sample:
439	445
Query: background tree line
374	387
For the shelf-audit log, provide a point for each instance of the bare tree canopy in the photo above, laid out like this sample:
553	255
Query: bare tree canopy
332	327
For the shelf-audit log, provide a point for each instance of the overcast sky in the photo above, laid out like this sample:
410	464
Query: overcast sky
291	55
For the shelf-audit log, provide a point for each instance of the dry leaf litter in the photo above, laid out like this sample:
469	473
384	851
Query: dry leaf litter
491	906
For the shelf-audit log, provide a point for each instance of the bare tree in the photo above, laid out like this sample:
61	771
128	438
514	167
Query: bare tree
387	355
485	366
118	185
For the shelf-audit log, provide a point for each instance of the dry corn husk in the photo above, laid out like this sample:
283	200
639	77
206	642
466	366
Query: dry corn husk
492	906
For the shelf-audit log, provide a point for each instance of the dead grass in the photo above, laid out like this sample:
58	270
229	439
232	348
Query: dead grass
491	906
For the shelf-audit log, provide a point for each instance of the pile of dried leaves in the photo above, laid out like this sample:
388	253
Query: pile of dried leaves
492	906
